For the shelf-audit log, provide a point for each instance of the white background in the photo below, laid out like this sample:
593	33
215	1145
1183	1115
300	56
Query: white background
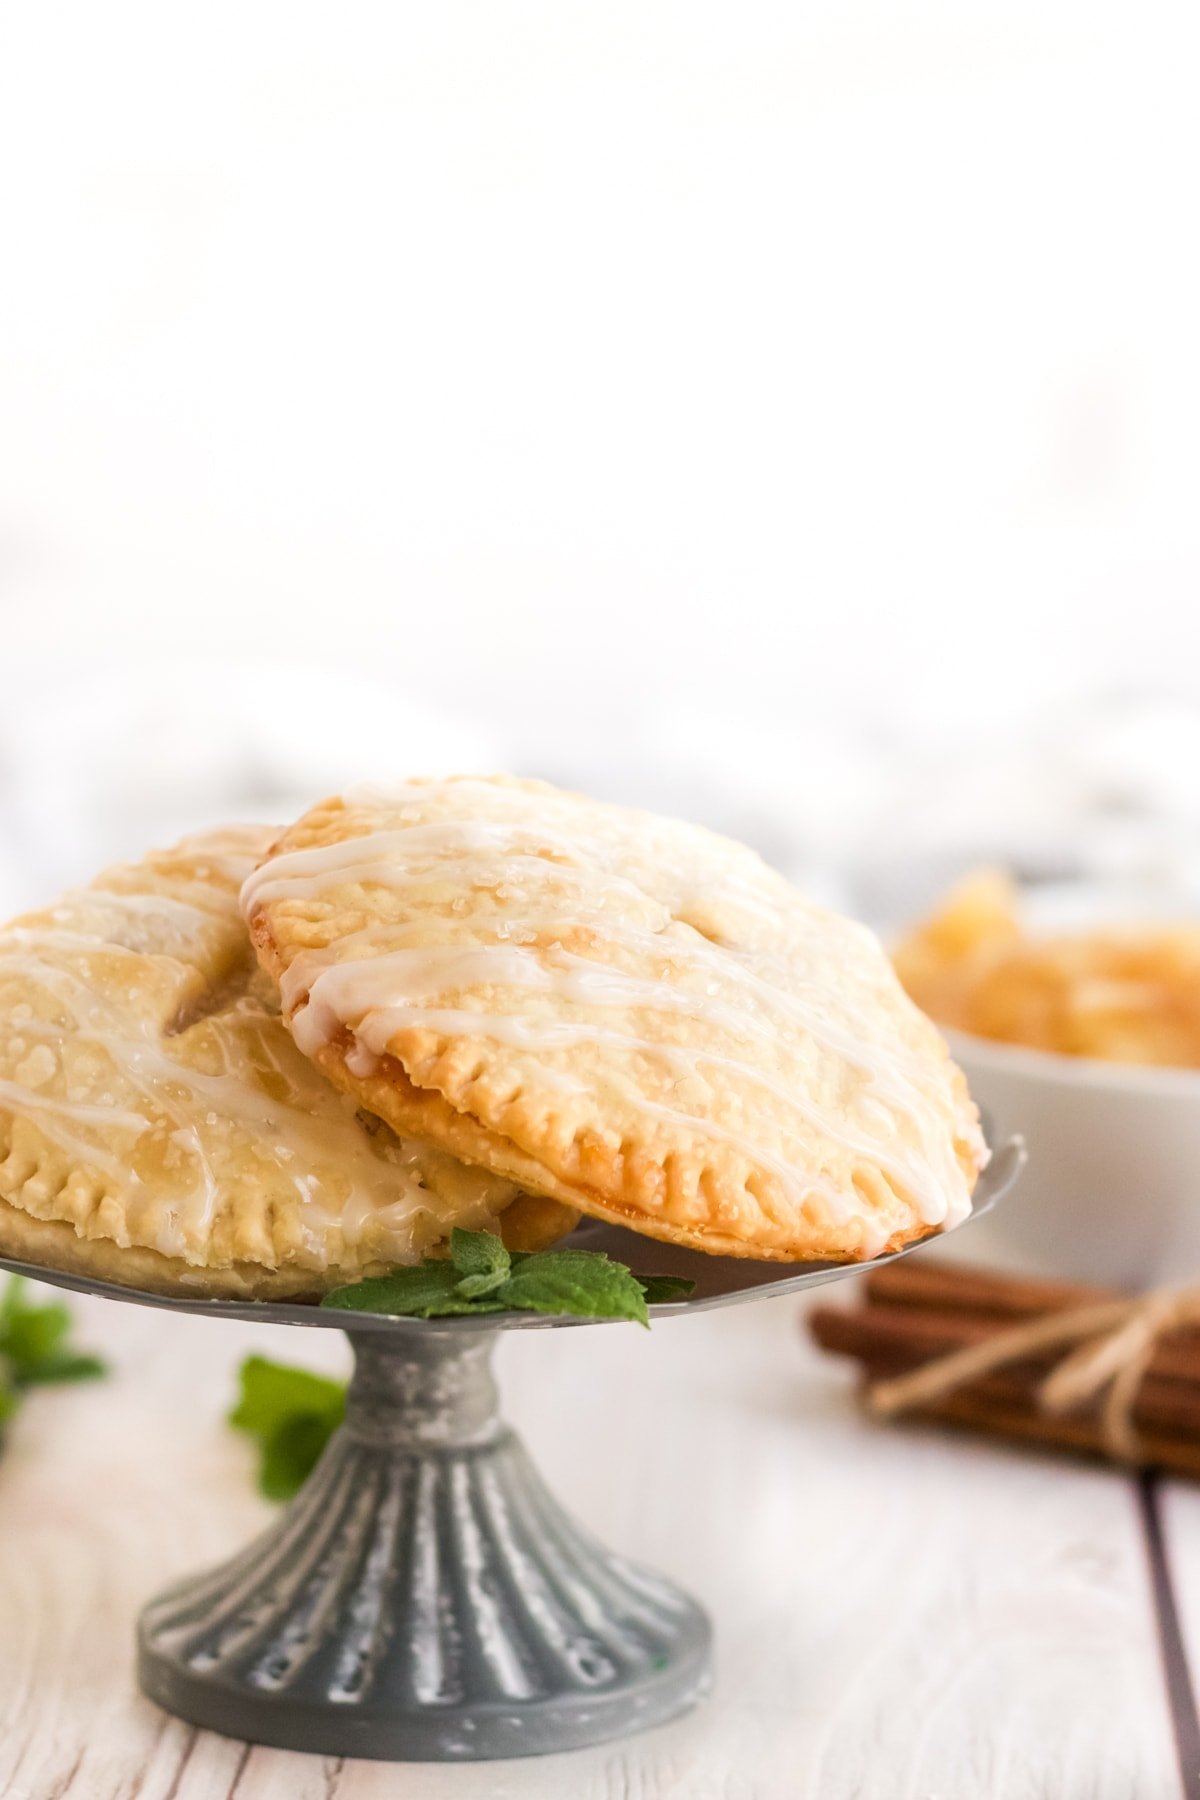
786	413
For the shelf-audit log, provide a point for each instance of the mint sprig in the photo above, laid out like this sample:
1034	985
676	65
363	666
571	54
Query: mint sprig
35	1350
483	1277
661	1289
292	1414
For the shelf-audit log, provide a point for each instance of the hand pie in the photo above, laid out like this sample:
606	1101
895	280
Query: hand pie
631	1015
159	1127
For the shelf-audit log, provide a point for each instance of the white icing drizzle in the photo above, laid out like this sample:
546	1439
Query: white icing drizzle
302	878
552	875
104	1070
383	996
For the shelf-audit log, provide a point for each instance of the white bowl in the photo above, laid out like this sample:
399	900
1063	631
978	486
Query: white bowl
1111	1191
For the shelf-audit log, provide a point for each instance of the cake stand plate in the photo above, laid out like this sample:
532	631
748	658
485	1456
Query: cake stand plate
424	1598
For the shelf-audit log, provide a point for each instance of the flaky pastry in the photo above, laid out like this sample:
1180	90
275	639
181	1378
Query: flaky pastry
630	1015
158	1126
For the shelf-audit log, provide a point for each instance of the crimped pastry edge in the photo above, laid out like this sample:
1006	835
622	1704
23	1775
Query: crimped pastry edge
54	1244
428	1115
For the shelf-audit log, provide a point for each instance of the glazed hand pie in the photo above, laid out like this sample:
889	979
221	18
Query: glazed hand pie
631	1015
158	1125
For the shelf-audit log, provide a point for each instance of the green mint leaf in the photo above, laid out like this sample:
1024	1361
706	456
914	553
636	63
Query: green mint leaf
580	1282
29	1334
461	1303
270	1392
483	1277
661	1288
474	1287
291	1453
293	1414
10	1399
64	1366
477	1254
405	1293
33	1341
11	1299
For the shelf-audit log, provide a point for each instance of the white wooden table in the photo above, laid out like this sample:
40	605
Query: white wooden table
901	1615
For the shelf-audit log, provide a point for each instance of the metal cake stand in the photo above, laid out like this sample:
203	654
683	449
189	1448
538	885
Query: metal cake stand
425	1598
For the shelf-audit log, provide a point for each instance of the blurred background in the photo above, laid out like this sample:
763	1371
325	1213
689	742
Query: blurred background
786	415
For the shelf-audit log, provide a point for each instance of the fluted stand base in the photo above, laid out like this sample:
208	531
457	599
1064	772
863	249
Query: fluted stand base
424	1598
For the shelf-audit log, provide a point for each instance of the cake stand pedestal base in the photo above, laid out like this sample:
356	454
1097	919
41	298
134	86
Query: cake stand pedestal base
425	1598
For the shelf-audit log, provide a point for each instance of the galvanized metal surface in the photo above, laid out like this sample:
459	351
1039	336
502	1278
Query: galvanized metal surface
425	1598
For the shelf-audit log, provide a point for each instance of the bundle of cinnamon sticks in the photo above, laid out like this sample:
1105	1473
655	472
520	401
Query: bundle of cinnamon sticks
921	1309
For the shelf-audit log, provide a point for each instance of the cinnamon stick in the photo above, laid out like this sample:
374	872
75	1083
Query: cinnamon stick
1170	1408
904	1337
920	1311
1022	1424
932	1282
970	1295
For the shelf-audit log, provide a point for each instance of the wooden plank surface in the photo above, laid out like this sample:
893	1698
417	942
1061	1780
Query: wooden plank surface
901	1616
1178	1506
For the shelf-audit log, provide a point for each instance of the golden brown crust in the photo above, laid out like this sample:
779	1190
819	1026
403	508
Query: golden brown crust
156	1117
634	1016
53	1244
429	1114
527	1224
